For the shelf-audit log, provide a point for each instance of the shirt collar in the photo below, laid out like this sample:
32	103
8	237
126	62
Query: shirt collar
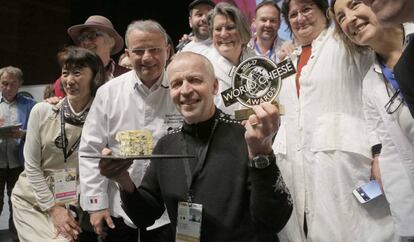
140	86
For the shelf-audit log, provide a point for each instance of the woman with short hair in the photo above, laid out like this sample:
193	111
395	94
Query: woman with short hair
48	185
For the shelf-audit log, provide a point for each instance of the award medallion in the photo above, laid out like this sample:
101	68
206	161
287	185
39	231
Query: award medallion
256	80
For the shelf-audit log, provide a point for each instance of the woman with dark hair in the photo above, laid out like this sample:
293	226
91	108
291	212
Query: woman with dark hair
230	33
390	125
322	144
48	185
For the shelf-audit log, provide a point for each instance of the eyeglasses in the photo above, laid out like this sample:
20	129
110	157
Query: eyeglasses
89	35
394	103
305	12
151	50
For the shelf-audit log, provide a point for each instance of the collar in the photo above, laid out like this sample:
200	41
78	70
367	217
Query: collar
137	84
2	99
203	129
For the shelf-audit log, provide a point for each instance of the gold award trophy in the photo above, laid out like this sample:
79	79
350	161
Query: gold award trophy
256	80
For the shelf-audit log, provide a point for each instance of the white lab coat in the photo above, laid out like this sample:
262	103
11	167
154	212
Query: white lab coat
322	148
396	134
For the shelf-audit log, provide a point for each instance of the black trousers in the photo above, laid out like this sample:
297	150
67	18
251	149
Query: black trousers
8	178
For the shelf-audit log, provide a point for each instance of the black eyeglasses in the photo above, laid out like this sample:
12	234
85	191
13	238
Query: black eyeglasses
89	35
394	103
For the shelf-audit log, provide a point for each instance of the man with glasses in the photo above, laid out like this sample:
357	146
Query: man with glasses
98	35
137	100
267	23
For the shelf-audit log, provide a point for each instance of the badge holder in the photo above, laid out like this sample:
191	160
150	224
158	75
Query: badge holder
256	80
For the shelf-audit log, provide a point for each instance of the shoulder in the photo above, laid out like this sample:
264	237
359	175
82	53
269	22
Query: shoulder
43	109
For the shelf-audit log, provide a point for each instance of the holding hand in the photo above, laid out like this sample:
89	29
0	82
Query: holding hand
261	128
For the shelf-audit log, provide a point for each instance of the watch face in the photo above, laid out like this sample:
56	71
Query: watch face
261	161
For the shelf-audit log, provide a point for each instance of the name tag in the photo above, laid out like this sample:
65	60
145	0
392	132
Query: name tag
64	184
189	222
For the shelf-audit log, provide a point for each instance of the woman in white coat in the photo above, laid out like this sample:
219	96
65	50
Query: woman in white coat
389	121
230	34
322	144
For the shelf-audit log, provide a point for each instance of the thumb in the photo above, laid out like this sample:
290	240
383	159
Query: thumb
109	222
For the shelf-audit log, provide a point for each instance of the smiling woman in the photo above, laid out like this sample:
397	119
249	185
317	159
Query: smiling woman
230	33
322	146
388	117
52	140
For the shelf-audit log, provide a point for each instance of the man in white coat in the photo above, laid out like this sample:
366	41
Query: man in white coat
136	100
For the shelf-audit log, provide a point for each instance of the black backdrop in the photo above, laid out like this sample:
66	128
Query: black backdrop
32	31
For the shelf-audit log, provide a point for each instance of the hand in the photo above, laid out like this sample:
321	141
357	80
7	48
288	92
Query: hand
64	223
2	121
375	171
285	50
261	128
53	100
14	133
117	171
186	37
97	219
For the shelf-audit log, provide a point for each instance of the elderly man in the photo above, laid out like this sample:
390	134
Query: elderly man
201	42
98	35
14	110
137	100
267	21
232	190
393	13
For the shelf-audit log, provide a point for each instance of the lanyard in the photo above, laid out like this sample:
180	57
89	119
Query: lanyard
63	136
270	50
201	157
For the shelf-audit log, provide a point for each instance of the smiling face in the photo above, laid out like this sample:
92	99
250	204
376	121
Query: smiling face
226	38
267	22
77	83
306	20
392	12
357	21
192	87
97	41
148	52
198	21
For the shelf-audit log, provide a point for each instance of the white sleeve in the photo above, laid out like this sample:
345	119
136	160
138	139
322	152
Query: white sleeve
93	185
371	114
33	158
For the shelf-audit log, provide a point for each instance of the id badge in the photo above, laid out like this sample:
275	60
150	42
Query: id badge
64	183
189	222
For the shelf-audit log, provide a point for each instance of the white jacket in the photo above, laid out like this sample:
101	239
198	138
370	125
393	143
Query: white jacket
396	134
322	148
124	103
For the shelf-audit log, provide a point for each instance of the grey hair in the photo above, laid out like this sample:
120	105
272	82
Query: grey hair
235	15
207	63
145	26
16	72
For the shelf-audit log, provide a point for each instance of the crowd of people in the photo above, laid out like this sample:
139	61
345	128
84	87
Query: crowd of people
287	172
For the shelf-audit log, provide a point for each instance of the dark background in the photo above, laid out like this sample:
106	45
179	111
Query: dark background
33	31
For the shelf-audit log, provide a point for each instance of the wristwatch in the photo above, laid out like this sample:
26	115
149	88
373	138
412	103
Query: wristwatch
261	161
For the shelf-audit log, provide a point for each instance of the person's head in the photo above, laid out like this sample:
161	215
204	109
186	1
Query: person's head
229	30
147	49
124	61
192	86
267	20
306	18
97	34
198	10
355	22
392	12
82	72
11	79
